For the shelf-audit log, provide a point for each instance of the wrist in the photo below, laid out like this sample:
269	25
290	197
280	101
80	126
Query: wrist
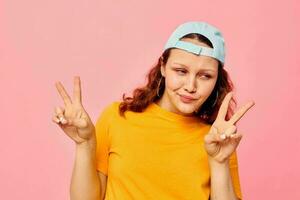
218	161
89	145
217	168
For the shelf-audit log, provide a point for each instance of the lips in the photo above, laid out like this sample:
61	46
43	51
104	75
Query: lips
186	99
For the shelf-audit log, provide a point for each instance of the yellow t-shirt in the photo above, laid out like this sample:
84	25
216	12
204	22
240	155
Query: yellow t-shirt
155	155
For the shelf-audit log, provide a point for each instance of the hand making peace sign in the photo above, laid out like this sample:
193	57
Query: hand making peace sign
73	119
223	138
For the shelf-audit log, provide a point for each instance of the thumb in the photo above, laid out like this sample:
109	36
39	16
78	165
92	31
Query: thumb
79	123
213	136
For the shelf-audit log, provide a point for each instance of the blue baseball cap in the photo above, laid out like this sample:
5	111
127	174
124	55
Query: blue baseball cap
202	28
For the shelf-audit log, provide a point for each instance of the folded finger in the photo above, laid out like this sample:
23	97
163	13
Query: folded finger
230	131
59	112
224	136
55	119
213	138
237	136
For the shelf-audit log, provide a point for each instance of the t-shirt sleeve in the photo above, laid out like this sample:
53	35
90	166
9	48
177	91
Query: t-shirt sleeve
233	165
103	138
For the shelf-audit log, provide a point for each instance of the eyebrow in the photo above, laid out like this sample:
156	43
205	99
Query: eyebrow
200	69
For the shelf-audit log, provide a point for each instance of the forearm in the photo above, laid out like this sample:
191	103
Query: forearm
221	182
85	184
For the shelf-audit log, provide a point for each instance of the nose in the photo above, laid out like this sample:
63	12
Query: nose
190	85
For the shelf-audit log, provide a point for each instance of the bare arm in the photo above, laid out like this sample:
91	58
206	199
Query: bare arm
221	183
103	182
85	183
220	143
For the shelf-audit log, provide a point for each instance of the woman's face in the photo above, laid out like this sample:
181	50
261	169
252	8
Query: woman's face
189	80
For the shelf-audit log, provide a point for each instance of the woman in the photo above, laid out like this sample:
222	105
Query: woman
174	139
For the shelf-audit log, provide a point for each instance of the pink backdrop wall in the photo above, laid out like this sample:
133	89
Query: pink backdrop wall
111	45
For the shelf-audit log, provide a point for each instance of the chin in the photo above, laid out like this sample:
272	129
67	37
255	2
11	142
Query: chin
186	109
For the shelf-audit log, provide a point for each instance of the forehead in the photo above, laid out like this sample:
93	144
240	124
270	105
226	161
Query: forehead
185	58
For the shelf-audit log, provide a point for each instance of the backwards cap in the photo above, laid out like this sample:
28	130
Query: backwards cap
202	28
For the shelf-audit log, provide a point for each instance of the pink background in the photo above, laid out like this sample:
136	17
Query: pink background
112	45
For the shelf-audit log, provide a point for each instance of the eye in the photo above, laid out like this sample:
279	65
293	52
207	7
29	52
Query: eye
180	71
206	76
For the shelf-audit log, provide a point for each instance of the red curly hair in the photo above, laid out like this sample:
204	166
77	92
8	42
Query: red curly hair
143	96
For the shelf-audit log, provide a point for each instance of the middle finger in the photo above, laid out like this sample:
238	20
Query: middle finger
77	89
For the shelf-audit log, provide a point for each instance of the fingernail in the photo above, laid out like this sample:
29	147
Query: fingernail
223	136
62	120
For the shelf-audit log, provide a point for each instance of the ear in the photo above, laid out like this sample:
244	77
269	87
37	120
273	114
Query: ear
162	68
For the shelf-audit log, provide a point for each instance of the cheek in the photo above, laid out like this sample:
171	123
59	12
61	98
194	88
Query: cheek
206	87
173	83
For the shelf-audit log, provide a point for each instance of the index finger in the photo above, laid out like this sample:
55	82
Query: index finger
241	112
66	98
77	89
224	107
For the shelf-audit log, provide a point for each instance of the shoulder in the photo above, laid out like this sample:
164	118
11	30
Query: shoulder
108	111
111	107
